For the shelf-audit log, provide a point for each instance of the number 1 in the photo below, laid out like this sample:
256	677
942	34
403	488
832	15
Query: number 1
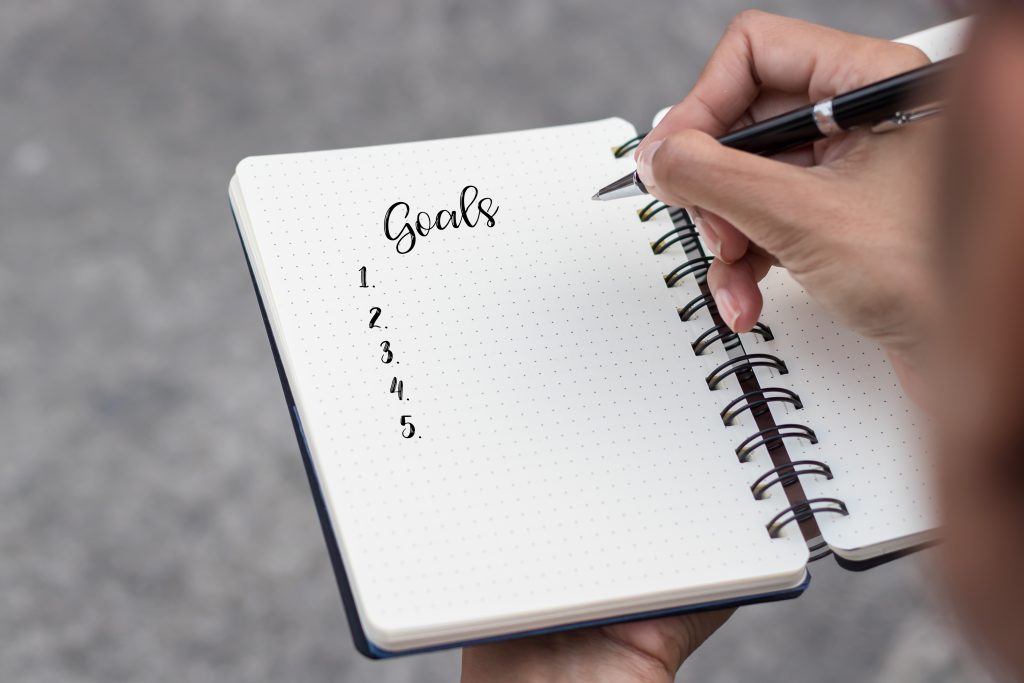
362	277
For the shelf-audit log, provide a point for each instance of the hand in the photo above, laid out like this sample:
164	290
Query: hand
639	652
849	217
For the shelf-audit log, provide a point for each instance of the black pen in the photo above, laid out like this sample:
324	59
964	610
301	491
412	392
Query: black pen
884	106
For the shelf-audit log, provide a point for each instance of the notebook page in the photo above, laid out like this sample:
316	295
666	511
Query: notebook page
567	461
869	434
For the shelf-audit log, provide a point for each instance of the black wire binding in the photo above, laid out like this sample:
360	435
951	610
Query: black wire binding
763	330
647	207
804	511
772	437
628	146
683	232
695	304
649	212
681	215
710	336
697	267
757	402
741	403
819	551
743	367
765	482
726	336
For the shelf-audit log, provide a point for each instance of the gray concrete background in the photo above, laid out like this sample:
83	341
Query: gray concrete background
155	524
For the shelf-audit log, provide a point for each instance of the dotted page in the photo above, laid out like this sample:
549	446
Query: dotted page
555	455
868	433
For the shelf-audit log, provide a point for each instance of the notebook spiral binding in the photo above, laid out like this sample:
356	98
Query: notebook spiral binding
754	399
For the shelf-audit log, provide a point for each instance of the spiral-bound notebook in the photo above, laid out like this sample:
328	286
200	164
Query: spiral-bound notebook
520	410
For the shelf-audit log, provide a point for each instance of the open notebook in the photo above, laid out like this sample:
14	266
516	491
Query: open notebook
530	417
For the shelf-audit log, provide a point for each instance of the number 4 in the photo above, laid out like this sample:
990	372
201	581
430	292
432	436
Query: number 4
405	423
396	387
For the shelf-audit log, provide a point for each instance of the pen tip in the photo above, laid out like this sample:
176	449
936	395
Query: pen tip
597	197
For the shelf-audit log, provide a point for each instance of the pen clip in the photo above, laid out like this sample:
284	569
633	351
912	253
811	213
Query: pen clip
903	118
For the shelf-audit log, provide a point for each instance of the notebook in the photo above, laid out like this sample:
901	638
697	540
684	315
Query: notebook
519	410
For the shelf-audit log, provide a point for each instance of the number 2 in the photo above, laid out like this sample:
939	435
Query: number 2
405	423
387	356
374	314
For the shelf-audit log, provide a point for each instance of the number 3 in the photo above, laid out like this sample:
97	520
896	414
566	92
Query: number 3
387	356
405	423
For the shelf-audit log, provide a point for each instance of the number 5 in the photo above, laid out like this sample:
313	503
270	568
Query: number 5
405	423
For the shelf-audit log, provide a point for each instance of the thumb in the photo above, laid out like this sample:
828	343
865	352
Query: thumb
763	198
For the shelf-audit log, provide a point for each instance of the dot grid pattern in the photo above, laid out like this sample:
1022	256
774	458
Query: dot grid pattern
572	464
868	432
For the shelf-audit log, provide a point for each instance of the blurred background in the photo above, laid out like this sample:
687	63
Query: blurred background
155	521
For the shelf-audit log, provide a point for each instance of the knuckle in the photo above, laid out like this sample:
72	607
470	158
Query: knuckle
678	155
745	20
717	275
666	161
686	145
909	56
878	58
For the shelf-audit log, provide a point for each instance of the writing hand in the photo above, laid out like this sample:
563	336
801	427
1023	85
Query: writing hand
848	217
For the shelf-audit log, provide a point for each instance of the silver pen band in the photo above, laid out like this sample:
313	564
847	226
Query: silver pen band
825	119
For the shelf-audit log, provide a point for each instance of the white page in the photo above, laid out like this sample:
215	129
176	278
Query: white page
572	464
869	433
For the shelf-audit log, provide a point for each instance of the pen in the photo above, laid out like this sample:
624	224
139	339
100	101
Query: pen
886	105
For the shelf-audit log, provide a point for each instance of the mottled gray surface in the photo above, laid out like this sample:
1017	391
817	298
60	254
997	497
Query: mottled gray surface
155	520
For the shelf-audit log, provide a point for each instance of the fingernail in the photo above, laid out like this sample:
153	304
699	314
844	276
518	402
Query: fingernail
727	307
645	162
707	233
